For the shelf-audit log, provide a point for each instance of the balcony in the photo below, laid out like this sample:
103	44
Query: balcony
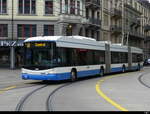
135	22
116	13
69	18
147	28
147	38
116	29
137	35
94	23
129	6
93	4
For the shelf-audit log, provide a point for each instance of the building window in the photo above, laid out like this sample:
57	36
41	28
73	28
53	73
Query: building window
27	7
26	31
49	7
87	13
72	6
61	6
3	6
78	7
48	30
106	20
66	6
106	2
3	30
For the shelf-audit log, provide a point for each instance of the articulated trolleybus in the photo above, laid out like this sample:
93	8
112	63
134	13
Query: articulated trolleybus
71	57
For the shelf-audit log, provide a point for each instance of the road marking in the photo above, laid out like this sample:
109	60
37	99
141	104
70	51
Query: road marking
104	96
6	89
13	87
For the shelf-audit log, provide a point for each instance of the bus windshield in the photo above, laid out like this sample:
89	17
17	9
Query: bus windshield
40	55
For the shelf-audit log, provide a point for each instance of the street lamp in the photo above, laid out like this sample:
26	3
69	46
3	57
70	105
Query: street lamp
69	30
70	26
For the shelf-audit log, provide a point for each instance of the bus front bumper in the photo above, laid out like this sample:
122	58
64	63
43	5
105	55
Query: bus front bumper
52	77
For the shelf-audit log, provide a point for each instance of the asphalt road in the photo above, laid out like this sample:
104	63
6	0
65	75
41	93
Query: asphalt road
119	92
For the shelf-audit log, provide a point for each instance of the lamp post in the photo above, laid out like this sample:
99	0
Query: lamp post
69	30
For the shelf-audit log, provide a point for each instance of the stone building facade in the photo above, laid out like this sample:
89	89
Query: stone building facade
116	21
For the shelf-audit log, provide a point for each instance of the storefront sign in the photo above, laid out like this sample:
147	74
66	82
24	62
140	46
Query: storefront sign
11	43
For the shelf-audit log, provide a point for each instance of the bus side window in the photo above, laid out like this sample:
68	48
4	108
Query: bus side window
102	57
90	57
73	58
81	57
62	56
140	57
114	57
134	58
96	58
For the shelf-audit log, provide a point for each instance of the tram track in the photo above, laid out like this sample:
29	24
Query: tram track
48	103
50	97
23	100
142	82
50	92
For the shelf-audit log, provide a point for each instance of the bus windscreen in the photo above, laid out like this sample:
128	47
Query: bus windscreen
40	55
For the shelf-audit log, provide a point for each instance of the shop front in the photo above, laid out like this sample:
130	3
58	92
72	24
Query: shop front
4	57
11	53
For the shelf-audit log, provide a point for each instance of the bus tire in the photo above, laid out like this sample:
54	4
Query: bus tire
73	77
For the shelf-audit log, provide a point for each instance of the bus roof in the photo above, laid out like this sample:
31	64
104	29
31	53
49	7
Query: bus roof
81	42
136	50
70	42
57	38
118	48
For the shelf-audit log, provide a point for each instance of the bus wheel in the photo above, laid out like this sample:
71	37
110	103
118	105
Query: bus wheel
73	76
101	72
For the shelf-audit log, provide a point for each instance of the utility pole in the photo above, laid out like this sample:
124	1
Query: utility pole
127	43
12	49
122	42
12	20
146	21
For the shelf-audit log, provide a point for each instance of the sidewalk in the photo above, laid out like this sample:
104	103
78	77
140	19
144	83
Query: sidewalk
11	77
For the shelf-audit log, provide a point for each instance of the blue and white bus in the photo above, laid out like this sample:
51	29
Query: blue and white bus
72	57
